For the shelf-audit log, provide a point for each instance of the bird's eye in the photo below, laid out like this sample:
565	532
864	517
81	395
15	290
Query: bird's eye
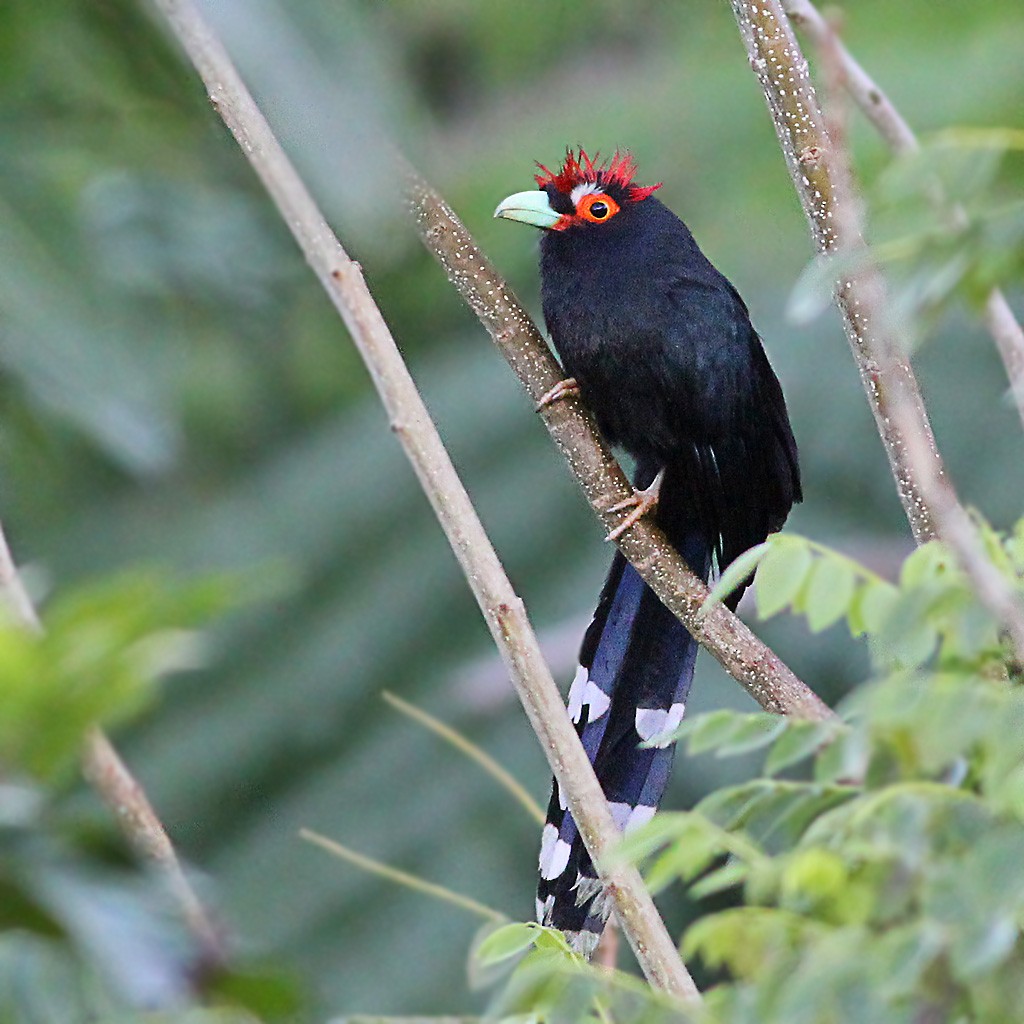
596	207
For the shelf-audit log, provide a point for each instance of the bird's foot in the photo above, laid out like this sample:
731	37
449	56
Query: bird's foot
563	389
642	502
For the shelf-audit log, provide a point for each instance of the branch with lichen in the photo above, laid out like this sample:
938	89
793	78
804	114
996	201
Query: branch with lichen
745	657
879	109
886	374
820	169
502	608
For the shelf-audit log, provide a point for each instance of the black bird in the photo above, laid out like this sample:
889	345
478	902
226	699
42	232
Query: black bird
660	346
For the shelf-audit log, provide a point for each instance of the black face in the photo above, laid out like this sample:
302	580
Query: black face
559	201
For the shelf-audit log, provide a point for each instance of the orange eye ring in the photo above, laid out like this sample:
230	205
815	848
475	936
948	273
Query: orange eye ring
596	207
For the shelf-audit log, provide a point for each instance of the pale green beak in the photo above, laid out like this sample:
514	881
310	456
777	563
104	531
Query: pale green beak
529	208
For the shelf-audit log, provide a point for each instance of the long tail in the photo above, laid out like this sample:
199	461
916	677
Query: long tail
636	666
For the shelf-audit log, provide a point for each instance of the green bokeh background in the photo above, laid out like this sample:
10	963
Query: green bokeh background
176	390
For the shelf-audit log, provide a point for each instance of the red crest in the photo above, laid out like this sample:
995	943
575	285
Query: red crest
580	169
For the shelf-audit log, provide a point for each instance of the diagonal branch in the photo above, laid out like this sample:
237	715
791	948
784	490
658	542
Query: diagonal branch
762	673
900	138
114	783
820	169
502	608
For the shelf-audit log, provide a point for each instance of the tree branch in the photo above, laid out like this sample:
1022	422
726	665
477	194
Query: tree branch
502	609
114	783
820	168
900	138
888	379
761	672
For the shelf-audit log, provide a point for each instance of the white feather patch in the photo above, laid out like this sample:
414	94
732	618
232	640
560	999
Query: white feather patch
621	813
652	722
586	188
554	853
548	838
557	861
579	683
586	694
640	815
628	817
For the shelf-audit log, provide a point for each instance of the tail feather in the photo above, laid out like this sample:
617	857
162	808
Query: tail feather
636	666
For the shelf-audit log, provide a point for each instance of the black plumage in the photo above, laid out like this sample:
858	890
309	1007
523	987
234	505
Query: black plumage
664	353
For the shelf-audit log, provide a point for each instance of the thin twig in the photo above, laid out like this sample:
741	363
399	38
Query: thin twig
825	184
504	778
759	669
502	608
120	790
998	317
403	878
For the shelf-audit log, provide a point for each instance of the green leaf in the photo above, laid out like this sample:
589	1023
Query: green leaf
697	845
815	874
756	732
722	879
721	728
106	644
799	740
925	564
735	574
781	574
745	939
506	942
872	605
830	592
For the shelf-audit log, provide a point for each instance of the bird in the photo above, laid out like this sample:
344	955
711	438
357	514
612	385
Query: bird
659	345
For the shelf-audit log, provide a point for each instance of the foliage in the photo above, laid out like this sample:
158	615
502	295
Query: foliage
83	934
932	615
103	648
876	859
945	229
176	390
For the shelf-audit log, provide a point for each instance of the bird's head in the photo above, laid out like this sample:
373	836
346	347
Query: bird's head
584	192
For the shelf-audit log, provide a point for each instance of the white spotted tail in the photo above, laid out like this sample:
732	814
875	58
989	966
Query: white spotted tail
636	666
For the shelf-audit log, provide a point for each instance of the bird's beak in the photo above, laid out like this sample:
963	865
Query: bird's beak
529	208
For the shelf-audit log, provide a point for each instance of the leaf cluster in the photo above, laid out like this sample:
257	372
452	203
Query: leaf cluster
874	866
886	884
85	933
945	232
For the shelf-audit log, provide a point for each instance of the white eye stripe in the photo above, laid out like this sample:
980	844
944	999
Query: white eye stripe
586	188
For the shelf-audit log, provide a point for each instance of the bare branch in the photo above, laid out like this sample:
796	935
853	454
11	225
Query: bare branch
1008	335
762	673
502	609
824	182
900	138
874	103
886	375
110	778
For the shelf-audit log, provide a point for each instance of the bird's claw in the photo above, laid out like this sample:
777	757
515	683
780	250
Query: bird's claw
642	502
563	389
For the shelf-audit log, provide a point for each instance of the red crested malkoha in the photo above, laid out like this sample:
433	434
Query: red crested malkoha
659	345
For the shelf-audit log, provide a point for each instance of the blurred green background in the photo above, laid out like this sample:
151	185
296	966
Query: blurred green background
176	390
